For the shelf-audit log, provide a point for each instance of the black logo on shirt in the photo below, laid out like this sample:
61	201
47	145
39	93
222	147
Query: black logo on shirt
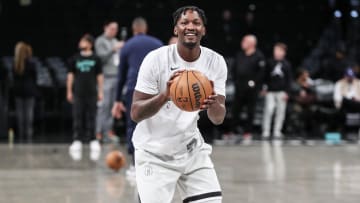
174	68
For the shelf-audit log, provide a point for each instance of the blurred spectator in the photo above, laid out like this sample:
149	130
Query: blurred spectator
248	73
333	68
25	89
84	88
3	119
304	97
347	92
131	57
173	40
227	37
277	83
107	47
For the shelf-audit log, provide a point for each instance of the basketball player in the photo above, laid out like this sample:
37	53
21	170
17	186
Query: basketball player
169	149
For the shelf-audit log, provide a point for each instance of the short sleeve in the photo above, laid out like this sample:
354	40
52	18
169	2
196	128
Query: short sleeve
71	64
221	77
147	81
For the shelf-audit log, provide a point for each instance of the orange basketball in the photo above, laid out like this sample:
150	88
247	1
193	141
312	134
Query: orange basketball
190	89
115	160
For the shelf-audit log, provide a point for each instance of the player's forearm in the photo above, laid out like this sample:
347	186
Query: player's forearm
217	113
143	109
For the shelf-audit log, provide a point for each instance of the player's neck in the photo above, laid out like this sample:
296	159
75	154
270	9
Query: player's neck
187	54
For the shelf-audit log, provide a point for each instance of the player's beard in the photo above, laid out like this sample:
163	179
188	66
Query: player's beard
190	45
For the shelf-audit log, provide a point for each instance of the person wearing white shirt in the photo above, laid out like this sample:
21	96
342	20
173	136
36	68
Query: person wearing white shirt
347	92
169	149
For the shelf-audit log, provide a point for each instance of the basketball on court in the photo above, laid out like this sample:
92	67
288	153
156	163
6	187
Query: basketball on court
190	89
115	160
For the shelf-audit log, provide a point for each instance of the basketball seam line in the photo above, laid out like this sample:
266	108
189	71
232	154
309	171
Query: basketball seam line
176	88
187	80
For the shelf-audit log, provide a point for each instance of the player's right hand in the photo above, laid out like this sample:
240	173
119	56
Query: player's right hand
171	80
69	97
118	109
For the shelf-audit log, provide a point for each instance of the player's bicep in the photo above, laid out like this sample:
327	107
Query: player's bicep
140	96
220	78
147	81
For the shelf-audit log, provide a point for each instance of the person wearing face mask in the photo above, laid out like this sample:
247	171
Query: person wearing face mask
84	88
277	83
107	48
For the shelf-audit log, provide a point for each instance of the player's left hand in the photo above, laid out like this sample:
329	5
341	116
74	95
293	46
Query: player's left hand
209	102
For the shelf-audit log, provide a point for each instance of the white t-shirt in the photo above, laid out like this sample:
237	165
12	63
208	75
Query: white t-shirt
170	130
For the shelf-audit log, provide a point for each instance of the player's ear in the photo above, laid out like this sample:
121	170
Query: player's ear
204	32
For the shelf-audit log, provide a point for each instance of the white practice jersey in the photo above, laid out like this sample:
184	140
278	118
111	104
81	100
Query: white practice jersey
170	130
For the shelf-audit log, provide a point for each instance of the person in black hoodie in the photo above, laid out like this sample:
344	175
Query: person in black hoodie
247	71
25	89
277	83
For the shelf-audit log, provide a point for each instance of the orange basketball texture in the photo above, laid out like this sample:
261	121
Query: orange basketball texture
190	89
115	160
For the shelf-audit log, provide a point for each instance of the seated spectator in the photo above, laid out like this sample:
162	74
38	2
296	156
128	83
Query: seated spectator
347	92
304	97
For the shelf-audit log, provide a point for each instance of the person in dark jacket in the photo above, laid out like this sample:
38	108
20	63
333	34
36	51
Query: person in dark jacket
25	89
131	57
247	71
277	83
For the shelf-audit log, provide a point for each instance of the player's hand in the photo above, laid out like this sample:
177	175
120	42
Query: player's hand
69	96
171	80
211	100
118	109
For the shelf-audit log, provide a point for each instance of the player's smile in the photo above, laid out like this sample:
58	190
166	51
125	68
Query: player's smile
191	36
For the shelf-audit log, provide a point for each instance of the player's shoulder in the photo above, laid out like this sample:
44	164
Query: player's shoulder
210	53
159	52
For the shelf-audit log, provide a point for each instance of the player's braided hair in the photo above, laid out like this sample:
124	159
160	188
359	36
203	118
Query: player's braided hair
182	10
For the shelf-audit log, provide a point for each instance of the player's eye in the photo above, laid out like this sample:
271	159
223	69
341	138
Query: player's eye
196	23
